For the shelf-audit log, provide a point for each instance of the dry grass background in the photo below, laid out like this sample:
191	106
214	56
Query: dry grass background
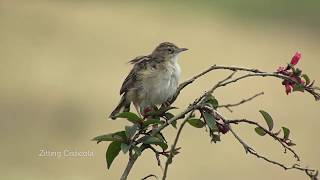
62	64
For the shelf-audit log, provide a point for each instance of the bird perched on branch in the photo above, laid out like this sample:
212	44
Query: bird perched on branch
153	79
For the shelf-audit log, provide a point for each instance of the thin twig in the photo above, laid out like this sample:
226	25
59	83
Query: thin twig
211	68
157	154
309	89
313	174
173	147
149	176
273	135
228	106
246	147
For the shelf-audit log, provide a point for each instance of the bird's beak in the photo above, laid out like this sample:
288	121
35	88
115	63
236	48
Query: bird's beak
182	49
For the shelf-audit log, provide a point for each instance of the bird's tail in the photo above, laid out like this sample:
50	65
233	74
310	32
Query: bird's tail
123	106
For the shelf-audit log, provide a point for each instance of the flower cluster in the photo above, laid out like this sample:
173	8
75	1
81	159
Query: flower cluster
294	81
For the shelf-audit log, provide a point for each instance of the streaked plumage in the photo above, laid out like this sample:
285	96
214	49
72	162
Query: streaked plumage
153	79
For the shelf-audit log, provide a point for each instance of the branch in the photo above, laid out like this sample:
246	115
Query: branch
173	147
273	135
132	160
199	103
149	176
228	106
313	174
246	147
195	105
212	68
310	89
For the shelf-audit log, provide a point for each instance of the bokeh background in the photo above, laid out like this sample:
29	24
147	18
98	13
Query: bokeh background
62	64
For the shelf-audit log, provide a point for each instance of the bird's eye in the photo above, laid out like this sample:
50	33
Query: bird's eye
170	50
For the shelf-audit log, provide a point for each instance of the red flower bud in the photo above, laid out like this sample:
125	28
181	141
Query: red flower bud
288	88
280	69
223	128
295	59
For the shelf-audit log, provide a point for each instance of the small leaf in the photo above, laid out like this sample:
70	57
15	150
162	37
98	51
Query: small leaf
154	140
163	145
297	72
152	121
268	119
215	138
298	87
130	117
260	131
150	140
306	78
291	144
212	101
137	150
174	124
196	123
160	136
125	147
112	152
131	130
286	133
118	136
211	122
168	115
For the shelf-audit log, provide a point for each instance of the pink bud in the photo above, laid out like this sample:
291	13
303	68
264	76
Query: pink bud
295	59
280	69
288	88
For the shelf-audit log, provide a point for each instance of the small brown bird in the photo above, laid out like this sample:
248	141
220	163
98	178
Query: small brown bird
153	79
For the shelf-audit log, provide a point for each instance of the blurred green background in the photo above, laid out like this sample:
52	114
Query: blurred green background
62	64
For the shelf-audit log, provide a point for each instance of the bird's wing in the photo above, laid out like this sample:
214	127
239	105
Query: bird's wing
133	77
138	59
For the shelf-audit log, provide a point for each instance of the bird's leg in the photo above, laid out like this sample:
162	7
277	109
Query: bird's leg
137	107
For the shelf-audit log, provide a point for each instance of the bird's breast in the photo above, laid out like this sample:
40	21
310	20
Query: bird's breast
162	84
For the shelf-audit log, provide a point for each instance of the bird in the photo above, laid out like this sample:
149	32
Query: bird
152	81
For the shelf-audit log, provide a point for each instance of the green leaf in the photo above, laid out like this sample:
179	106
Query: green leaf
260	131
125	147
163	145
160	136
306	78
168	115
150	140
196	123
152	121
211	122
268	119
291	144
174	124
286	133
137	150
154	140
212	101
297	72
112	152
130	117
215	138
118	136
131	130
298	87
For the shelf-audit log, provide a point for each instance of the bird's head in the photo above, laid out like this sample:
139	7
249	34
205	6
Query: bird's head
167	51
